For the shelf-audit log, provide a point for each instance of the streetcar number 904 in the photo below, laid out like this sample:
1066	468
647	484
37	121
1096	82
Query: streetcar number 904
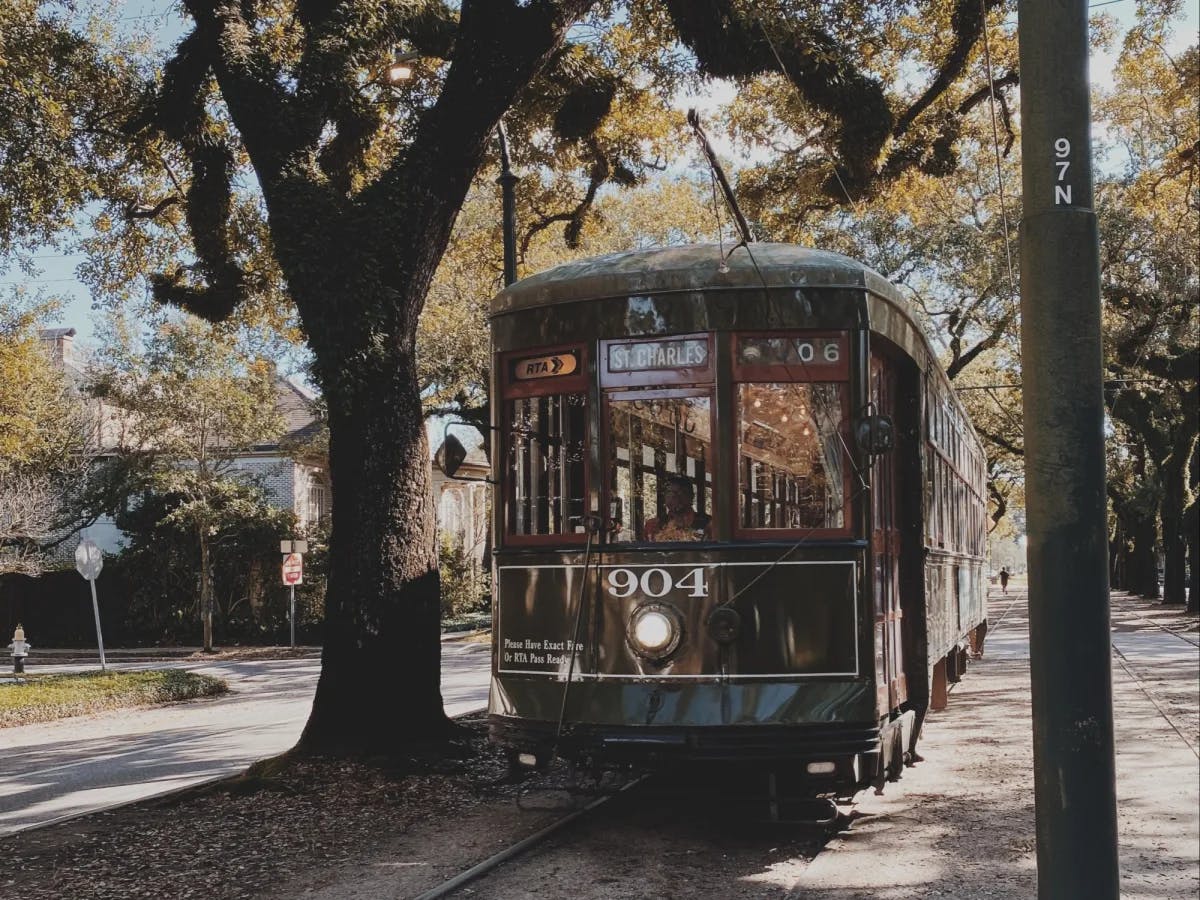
656	582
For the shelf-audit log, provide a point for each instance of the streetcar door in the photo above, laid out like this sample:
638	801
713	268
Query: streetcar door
886	547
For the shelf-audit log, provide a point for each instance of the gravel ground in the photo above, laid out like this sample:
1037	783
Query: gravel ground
960	824
241	839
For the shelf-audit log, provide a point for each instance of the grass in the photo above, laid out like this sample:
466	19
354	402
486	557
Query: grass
41	698
467	621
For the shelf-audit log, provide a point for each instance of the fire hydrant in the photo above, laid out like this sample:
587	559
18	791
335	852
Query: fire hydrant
20	649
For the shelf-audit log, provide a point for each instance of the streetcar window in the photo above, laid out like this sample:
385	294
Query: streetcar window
660	466
791	456
546	460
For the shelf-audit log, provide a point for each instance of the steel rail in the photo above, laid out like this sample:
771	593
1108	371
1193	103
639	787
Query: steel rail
1123	661
482	868
1182	636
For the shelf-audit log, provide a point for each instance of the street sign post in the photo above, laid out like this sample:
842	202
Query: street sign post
293	574
293	569
88	562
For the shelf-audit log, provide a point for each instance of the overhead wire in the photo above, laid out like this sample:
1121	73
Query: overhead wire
832	158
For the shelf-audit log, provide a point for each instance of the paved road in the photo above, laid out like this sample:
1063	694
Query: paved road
65	768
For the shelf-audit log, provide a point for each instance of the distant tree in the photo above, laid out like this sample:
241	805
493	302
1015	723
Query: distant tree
1150	243
161	563
188	402
44	429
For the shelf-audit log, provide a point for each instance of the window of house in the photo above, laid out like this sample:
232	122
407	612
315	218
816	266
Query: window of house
318	501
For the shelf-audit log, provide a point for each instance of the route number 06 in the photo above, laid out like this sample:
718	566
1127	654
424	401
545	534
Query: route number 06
656	583
807	352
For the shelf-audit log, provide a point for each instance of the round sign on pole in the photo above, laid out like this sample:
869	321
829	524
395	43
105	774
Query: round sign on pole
293	568
88	559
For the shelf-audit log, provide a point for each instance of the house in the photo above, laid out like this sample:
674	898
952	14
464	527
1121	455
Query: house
293	470
463	504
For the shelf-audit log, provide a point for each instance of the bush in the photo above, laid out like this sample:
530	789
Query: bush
161	566
465	588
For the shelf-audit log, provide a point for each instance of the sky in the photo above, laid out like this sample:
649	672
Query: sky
58	270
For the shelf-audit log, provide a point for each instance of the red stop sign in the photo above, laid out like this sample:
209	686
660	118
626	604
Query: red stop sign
293	568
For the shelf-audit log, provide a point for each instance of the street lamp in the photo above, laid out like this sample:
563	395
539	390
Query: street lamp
399	70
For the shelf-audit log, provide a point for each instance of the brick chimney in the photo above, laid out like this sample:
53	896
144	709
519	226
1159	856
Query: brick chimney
57	342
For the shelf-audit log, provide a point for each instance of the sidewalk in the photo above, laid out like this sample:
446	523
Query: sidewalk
961	824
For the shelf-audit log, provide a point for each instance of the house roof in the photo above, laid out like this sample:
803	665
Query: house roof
298	410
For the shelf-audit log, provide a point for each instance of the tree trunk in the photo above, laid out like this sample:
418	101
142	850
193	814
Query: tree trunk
1141	568
1191	527
380	685
206	591
1174	550
1175	496
1118	557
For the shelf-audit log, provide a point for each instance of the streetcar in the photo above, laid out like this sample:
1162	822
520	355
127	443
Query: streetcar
739	516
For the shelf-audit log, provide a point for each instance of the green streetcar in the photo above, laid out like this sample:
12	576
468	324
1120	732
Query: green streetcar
740	516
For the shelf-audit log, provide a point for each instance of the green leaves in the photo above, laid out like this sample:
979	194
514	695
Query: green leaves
59	92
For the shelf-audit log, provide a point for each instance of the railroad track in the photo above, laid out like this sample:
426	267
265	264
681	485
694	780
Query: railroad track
678	831
1165	673
480	869
1187	638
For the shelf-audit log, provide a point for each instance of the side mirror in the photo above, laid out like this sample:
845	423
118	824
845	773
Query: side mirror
875	434
451	455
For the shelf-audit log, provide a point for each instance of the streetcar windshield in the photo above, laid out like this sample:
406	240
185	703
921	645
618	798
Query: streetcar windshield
659	466
791	456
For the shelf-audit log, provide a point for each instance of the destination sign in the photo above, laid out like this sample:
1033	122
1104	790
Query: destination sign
687	353
555	364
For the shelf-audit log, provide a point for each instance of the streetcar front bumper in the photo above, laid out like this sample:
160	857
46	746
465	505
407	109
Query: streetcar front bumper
837	754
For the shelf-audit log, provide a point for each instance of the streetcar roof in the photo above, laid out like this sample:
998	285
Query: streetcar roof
695	267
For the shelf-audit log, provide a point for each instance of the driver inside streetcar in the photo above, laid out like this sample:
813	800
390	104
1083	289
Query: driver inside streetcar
681	523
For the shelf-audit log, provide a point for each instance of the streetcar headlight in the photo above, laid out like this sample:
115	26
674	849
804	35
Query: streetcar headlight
654	630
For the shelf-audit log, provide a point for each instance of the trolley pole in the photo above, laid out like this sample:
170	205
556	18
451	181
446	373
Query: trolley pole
1071	670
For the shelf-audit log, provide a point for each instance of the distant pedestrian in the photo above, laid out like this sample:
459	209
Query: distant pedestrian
1003	580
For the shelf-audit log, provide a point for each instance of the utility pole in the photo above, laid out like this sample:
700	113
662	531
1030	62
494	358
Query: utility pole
1062	371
